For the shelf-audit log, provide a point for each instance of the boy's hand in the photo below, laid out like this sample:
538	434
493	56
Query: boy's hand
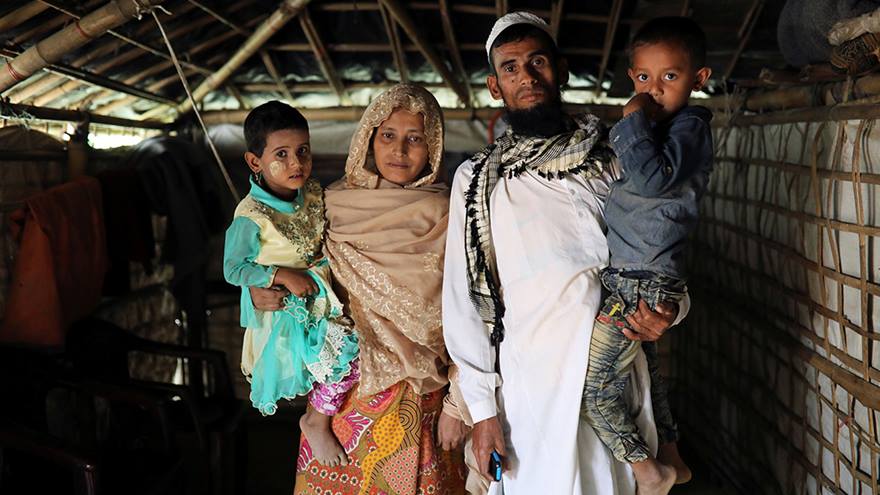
298	282
642	101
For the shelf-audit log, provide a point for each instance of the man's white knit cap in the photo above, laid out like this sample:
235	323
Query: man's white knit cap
513	19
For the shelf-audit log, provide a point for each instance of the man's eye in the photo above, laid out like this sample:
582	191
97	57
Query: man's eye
508	68
538	61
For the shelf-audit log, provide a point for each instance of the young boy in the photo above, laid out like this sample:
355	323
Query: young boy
276	239
665	151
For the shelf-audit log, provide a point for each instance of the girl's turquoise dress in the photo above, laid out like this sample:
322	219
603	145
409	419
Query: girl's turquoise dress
286	352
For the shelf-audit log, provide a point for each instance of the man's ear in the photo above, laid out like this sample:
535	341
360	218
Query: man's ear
703	76
562	71
253	161
494	88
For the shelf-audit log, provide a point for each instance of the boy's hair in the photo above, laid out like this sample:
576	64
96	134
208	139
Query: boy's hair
519	32
268	118
682	31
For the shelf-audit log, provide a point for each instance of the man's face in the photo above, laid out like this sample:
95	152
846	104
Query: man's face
526	74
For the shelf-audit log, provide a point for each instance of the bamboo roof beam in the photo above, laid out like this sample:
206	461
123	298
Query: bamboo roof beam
500	7
686	8
129	40
409	26
323	57
273	73
38	31
51	49
556	19
745	32
87	77
455	54
285	12
219	17
232	90
21	14
42	113
411	47
396	46
354	113
610	33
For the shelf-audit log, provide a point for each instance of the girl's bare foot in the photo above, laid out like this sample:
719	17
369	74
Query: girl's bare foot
325	447
652	477
668	454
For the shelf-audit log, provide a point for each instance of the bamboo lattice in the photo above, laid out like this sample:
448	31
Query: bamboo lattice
778	375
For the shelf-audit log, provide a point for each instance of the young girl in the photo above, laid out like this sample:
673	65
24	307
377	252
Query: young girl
275	240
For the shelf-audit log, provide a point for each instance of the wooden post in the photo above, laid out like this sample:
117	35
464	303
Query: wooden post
322	56
409	26
286	11
51	49
610	32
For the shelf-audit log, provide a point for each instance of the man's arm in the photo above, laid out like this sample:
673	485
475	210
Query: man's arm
467	338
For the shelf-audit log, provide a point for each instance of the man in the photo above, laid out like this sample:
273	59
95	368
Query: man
524	250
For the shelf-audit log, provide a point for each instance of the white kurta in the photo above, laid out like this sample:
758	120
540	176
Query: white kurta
550	246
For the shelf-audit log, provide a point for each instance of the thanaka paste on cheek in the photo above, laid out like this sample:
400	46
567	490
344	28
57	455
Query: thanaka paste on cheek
276	168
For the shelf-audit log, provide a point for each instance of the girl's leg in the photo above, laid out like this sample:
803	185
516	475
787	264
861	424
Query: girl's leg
316	424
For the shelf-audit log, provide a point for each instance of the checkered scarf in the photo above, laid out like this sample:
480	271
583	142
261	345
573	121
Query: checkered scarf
581	150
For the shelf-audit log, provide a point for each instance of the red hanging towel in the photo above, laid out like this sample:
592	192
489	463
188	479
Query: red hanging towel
60	265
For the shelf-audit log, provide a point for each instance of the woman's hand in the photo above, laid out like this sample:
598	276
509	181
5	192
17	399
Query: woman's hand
268	299
297	282
451	432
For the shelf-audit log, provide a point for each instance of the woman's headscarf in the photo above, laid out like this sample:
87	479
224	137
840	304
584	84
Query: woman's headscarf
386	245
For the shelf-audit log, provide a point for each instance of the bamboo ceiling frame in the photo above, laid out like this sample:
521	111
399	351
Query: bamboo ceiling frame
322	56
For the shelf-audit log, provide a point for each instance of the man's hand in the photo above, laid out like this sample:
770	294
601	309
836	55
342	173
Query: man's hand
450	432
651	325
487	436
642	101
268	299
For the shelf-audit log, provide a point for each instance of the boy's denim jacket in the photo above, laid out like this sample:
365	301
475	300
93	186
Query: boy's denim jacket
652	209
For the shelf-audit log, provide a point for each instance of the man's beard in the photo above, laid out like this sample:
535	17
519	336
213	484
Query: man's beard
542	120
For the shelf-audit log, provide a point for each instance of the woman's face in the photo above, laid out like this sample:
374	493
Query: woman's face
400	147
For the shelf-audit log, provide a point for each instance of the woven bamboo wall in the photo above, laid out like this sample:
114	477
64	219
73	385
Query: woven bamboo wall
777	375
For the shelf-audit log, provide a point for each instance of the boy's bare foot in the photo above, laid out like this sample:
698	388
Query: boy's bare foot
652	477
325	447
668	454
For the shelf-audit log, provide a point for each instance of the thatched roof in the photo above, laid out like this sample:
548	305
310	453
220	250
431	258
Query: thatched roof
331	54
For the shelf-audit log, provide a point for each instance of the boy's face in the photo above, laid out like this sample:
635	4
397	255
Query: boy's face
286	162
664	71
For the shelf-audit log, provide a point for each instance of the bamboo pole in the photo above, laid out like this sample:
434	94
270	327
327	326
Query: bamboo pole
286	11
396	46
51	49
126	39
273	73
353	114
41	113
556	19
21	14
39	30
745	33
610	32
500	7
455	53
323	58
415	34
222	19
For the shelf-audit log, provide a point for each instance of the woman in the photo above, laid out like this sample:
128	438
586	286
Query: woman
386	241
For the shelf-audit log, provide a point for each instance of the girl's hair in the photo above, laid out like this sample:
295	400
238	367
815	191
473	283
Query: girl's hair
268	118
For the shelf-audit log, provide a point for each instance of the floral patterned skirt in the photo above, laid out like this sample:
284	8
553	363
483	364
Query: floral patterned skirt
390	439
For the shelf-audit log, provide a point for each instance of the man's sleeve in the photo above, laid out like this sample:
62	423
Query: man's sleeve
467	337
